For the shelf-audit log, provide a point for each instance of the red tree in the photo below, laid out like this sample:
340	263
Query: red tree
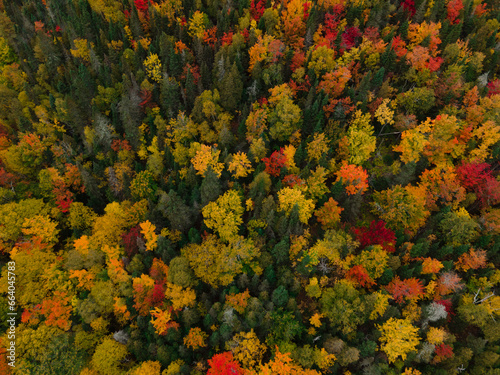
376	234
275	162
224	364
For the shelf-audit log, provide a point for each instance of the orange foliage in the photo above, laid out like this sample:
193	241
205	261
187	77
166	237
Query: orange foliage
430	265
57	311
238	301
409	289
329	214
474	259
354	178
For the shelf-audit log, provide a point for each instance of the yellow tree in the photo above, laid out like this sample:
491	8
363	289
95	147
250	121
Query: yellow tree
247	349
179	296
224	215
318	147
153	67
360	141
196	338
197	24
240	166
284	116
216	263
207	156
401	207
399	337
148	231
289	197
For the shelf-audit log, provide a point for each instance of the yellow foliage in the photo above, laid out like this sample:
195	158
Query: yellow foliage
153	67
224	215
380	305
174	368
240	166
82	49
197	25
316	320
384	114
318	147
42	227
361	141
148	231
160	320
436	336
207	156
316	183
322	60
247	349
148	368
179	296
399	337
196	338
289	197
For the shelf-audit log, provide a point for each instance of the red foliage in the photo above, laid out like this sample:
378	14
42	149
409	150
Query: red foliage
275	162
477	177
130	241
359	275
227	39
410	289
376	234
298	60
146	97
434	63
454	7
342	105
409	6
448	307
224	364
304	86
6	178
307	6
493	88
142	5
257	10
210	37
292	180
156	296
119	144
349	37
398	45
443	352
63	204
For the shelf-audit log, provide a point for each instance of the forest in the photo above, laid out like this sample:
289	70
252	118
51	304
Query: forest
252	187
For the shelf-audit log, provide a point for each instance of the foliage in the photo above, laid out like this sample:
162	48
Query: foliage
399	337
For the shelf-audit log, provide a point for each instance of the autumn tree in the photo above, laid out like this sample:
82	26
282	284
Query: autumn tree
284	115
224	215
399	337
216	263
401	208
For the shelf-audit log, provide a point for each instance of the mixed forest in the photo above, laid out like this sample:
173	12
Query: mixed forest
250	186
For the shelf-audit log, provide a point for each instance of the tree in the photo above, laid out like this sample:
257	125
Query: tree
360	141
216	263
318	147
409	289
205	157
247	349
240	166
195	339
399	337
329	214
223	363
401	208
354	178
344	306
289	198
284	116
108	356
282	364
224	215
